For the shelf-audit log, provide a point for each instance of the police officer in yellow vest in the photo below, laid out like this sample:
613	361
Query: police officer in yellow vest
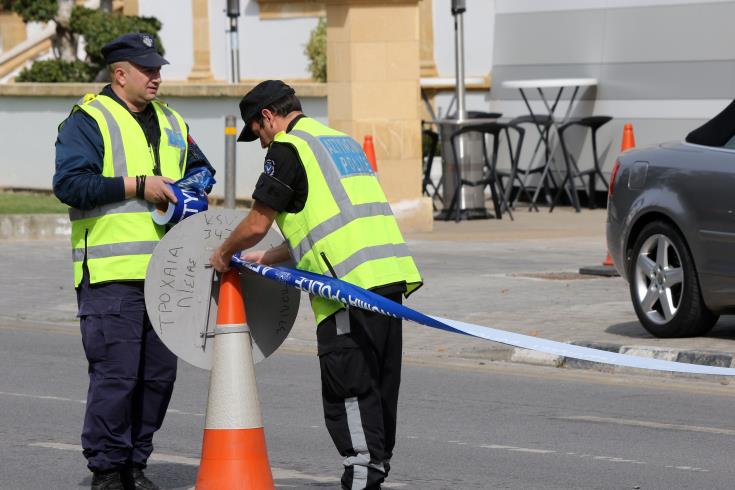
115	154
319	188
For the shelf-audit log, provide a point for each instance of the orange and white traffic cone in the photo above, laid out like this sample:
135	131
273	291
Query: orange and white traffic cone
608	267
369	148
628	138
234	455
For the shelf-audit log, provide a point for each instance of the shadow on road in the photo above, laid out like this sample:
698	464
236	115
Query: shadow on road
724	329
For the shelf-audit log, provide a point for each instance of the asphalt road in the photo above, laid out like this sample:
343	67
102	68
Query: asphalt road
461	427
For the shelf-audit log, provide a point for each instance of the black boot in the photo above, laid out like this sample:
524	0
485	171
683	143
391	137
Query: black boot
107	480
134	479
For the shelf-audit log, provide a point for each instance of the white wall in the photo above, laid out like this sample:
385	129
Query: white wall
27	159
268	48
479	25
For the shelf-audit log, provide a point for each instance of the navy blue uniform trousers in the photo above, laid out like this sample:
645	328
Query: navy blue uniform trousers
131	375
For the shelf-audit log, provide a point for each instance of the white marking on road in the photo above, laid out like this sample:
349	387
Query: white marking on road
278	473
42	397
688	468
181	412
84	402
518	449
651	425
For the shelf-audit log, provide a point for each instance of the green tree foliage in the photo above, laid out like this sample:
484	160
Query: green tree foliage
316	50
98	28
33	10
57	71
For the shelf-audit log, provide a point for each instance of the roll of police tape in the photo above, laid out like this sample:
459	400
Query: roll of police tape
188	202
356	297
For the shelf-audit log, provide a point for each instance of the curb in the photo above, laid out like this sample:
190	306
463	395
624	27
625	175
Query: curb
34	226
706	358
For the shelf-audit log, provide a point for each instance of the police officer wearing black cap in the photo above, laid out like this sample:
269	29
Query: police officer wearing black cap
115	154
318	186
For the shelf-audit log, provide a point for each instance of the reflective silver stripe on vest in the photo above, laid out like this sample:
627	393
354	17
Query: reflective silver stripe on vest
128	206
177	129
114	250
347	214
363	255
119	163
338	221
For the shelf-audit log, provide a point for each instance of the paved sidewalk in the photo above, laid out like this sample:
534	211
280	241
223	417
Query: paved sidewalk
518	276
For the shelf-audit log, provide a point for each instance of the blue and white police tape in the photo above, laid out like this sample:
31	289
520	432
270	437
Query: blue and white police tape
356	297
188	202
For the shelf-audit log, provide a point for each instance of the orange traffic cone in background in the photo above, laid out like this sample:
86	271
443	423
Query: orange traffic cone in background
608	266
234	455
369	149
628	138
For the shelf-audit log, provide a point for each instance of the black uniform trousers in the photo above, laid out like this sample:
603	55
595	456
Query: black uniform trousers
360	360
131	375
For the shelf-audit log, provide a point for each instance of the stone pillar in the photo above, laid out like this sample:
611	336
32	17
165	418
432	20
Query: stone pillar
373	88
426	38
201	71
12	30
131	7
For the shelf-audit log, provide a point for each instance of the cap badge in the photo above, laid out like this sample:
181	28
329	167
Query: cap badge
148	41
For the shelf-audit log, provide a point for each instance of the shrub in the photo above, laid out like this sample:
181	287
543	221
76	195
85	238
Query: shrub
33	10
99	28
56	71
316	50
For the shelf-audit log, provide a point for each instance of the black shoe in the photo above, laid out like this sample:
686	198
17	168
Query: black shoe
134	479
107	480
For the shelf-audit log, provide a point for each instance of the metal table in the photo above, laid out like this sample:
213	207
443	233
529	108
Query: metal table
553	83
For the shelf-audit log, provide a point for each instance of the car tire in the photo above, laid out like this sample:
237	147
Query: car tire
664	286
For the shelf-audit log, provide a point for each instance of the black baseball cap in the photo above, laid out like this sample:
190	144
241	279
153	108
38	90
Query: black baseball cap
136	47
260	97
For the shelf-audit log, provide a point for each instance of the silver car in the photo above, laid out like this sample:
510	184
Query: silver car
671	229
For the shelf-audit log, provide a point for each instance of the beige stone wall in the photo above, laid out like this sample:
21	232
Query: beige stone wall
373	88
372	75
12	30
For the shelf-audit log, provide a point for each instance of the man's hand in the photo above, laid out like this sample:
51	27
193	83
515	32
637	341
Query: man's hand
254	256
157	189
220	260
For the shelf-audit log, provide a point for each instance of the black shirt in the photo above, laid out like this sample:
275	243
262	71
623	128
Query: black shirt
283	185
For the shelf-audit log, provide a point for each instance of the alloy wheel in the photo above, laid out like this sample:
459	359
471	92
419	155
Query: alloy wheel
659	279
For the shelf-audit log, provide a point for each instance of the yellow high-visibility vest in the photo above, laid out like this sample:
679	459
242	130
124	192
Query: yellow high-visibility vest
346	216
117	239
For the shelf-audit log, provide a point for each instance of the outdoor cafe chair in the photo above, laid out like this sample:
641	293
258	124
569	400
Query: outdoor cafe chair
543	123
593	123
490	177
428	186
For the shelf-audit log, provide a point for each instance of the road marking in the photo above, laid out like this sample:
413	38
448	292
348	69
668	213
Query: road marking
42	397
278	473
518	449
650	425
84	402
689	468
610	459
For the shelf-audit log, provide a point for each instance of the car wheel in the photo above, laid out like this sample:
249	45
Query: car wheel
664	286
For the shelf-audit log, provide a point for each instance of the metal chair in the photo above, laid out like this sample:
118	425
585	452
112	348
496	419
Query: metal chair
593	123
543	124
490	177
428	187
